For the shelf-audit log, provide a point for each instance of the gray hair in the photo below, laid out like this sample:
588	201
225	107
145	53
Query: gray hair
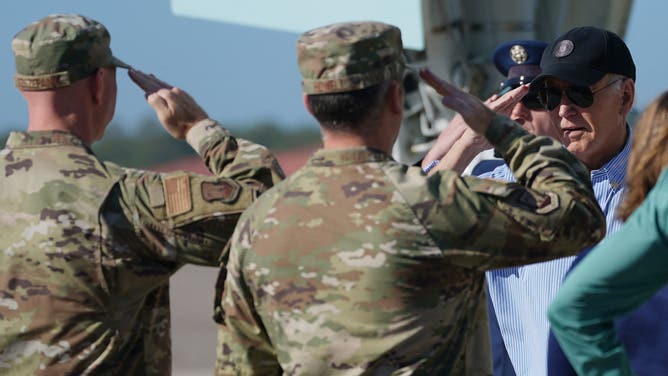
617	86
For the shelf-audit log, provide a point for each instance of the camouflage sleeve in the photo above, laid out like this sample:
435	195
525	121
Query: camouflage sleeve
550	212
189	218
232	157
243	346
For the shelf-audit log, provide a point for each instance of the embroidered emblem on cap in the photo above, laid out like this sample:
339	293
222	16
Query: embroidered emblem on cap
518	54
563	48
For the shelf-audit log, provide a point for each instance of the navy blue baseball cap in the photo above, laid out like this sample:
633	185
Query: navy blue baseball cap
518	61
584	55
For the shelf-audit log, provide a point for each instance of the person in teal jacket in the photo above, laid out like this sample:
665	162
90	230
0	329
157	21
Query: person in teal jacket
626	269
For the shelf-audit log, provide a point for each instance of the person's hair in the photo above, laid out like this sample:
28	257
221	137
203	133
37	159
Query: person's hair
616	77
649	155
348	110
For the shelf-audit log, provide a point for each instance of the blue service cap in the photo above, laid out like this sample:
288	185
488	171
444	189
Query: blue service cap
518	61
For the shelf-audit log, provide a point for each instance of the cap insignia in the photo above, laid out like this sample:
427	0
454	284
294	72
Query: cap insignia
563	48
518	54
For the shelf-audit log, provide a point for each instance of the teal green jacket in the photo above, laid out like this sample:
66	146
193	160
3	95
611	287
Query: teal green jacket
620	274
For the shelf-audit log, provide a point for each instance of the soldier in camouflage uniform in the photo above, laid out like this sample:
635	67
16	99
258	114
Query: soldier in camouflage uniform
357	264
86	246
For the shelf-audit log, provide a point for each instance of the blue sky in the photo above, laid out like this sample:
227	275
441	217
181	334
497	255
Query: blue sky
241	74
238	74
406	14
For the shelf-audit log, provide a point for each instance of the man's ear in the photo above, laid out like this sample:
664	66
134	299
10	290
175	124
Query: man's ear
628	95
305	100
395	97
97	85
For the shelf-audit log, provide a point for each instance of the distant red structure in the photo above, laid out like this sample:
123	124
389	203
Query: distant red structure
290	161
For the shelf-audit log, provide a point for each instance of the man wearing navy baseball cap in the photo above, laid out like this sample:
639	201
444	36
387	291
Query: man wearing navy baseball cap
588	84
587	87
586	73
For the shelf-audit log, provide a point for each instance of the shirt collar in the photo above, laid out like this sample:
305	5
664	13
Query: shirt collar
342	157
614	171
42	138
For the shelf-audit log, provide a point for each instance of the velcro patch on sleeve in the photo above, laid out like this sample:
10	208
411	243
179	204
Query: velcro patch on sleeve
177	194
156	196
225	191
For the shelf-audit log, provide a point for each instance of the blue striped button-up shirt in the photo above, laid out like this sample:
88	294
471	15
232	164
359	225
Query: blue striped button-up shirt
520	296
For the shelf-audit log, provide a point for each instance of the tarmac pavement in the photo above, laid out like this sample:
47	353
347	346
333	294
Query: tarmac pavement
193	329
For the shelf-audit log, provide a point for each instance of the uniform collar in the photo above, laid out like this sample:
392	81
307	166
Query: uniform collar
42	138
614	171
342	157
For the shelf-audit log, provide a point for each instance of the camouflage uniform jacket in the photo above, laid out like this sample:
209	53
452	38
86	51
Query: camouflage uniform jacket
87	247
357	264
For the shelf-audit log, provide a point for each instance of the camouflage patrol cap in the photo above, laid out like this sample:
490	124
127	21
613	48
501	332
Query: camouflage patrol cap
60	49
349	56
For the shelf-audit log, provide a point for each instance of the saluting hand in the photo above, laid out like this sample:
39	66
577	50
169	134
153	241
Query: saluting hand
504	104
475	113
458	144
176	110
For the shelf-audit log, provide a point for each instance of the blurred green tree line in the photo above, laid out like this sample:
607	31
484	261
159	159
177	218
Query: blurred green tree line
149	144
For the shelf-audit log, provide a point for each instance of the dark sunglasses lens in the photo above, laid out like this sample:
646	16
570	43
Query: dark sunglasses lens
580	96
532	102
549	97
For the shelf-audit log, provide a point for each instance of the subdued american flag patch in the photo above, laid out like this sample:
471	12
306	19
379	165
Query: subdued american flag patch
177	194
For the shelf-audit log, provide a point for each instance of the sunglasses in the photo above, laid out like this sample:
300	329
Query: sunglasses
549	97
531	101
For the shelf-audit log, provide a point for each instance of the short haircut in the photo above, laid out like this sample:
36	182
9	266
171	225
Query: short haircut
616	77
348	110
